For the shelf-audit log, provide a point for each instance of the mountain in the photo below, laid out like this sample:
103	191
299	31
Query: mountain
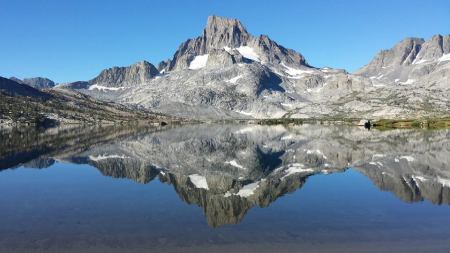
413	62
21	104
36	82
118	78
228	73
228	38
13	88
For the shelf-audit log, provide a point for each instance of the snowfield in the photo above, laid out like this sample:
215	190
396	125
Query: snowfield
199	181
199	62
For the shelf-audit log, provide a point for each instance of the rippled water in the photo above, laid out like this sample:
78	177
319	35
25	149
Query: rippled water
214	188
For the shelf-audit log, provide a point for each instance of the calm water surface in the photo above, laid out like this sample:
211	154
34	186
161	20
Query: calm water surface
216	188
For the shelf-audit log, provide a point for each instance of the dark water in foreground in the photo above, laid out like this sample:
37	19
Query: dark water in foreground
210	188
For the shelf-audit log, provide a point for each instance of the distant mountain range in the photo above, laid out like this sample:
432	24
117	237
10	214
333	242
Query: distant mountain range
13	88
36	82
21	104
229	73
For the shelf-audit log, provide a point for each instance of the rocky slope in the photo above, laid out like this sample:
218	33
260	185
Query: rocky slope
228	39
412	62
229	73
21	104
118	78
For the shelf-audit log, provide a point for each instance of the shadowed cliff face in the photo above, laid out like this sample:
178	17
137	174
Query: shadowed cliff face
229	169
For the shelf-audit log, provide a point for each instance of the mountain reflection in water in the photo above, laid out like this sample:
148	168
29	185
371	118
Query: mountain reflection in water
229	169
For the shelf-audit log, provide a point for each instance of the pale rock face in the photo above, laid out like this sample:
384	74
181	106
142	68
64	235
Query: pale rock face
220	32
394	60
434	48
273	53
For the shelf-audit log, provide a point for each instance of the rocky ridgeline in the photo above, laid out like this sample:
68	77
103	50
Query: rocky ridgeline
140	72
229	37
36	82
21	104
413	60
226	72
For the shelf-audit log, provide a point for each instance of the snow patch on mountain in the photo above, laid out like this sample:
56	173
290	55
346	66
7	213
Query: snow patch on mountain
409	81
296	73
408	158
199	62
296	168
105	88
445	57
416	61
248	190
199	181
104	157
235	164
234	79
444	181
315	152
249	53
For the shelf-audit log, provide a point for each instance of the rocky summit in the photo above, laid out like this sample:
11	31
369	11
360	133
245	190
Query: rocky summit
227	72
36	82
412	61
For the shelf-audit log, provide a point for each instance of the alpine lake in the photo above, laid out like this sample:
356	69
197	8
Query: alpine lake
225	188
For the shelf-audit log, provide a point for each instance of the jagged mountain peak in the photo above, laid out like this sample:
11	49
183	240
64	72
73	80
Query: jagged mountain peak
412	61
220	32
409	51
434	48
214	20
230	35
216	23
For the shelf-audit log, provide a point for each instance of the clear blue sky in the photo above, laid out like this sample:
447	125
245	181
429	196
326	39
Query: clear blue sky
75	39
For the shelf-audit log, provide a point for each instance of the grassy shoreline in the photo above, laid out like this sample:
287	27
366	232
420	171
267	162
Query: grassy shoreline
426	123
412	123
381	124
